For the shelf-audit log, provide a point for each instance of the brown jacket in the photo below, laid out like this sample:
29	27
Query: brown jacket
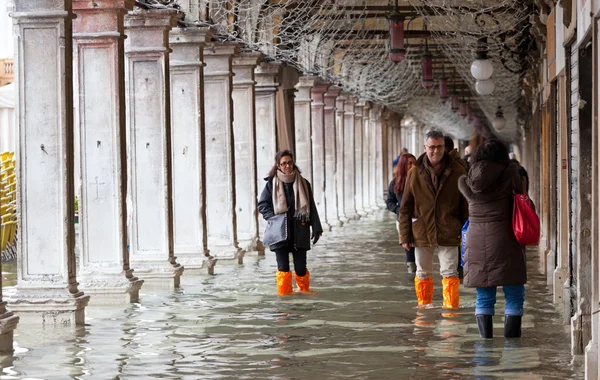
438	216
493	257
455	156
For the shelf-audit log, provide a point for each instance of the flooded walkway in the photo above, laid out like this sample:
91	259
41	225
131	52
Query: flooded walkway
361	325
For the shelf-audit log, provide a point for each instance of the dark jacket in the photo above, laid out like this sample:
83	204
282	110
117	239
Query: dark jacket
393	200
493	257
439	215
298	232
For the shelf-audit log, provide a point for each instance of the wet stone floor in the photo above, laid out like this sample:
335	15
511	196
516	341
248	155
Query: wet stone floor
362	324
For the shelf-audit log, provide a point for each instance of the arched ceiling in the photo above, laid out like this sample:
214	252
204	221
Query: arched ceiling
347	42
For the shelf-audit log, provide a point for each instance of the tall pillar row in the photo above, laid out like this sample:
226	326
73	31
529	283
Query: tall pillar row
244	130
149	145
47	289
221	215
318	150
190	237
303	126
99	97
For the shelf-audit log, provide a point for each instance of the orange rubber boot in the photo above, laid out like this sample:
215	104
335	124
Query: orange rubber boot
451	292
284	283
303	282
424	290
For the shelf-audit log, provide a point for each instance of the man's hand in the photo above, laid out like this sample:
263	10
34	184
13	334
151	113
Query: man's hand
315	237
408	246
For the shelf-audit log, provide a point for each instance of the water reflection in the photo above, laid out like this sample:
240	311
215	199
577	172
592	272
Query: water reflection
362	324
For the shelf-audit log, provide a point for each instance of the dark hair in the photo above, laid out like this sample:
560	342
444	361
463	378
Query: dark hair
491	150
401	172
449	144
278	157
433	134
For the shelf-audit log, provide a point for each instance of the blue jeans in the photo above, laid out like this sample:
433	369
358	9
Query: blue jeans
486	299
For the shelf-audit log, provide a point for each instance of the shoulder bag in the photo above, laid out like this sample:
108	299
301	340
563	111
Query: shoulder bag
276	230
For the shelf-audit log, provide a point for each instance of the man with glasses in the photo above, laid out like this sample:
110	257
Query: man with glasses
432	214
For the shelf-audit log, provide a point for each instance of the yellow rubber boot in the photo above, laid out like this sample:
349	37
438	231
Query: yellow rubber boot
424	290
284	283
451	292
303	282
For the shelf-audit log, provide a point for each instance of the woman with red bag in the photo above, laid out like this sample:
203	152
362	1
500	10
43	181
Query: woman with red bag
493	256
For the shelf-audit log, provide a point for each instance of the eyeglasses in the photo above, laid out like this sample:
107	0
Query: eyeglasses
286	163
435	147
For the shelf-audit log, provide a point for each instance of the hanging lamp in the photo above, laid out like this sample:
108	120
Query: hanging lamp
397	50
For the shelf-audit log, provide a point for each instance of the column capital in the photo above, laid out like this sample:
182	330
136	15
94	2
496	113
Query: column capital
320	88
304	87
190	36
307	81
267	76
247	59
224	49
151	18
358	110
331	96
91	21
218	57
243	68
147	29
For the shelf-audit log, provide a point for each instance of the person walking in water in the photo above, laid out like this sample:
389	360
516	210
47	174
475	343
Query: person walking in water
493	257
287	192
394	198
432	214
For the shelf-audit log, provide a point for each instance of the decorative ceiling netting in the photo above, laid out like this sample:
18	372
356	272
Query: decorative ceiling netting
347	42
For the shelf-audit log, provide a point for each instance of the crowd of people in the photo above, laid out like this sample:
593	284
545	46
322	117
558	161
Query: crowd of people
432	196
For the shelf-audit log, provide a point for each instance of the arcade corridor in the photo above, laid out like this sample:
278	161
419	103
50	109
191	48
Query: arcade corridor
361	325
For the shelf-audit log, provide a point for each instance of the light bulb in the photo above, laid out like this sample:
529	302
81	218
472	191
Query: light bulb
482	69
485	87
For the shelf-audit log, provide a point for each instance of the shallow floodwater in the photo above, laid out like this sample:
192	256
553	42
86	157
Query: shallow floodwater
362	324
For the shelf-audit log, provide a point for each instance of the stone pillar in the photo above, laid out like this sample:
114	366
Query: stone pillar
366	157
220	168
388	134
380	140
303	126
374	155
149	144
331	189
340	104
318	150
349	153
47	288
244	132
267	81
98	36
187	154
358	157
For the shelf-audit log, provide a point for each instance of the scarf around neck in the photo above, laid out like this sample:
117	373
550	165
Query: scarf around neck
301	195
435	173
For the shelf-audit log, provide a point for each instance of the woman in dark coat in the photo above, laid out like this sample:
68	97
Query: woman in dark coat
394	199
493	257
288	192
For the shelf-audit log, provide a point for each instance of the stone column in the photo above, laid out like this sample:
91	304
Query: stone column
149	144
47	288
374	155
318	150
303	126
267	81
244	132
340	104
331	189
349	153
220	168
366	157
388	135
99	35
187	154
358	157
380	140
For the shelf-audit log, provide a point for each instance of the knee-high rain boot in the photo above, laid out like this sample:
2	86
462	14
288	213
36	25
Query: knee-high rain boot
451	292
303	282
424	290
486	325
284	283
512	326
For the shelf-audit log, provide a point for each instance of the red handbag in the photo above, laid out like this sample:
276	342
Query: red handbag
526	223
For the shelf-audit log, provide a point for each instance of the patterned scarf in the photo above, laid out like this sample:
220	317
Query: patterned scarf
301	197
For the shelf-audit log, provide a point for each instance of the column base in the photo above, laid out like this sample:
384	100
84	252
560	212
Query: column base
326	226
335	222
252	246
159	275
110	288
197	262
228	253
48	306
8	323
